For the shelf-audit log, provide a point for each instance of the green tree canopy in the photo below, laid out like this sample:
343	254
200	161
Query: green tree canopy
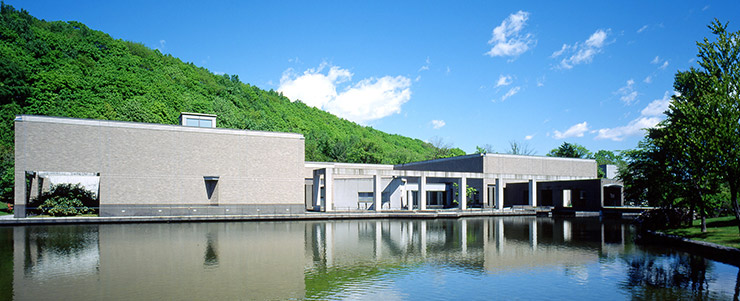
570	150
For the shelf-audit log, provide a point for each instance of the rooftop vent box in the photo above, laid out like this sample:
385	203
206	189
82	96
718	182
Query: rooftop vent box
198	120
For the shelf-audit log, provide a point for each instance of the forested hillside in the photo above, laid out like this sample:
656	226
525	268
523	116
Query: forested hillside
66	69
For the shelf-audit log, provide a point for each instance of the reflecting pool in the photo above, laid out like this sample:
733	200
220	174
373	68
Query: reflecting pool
471	258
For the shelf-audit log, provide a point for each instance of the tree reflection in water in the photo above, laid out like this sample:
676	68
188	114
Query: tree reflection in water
668	277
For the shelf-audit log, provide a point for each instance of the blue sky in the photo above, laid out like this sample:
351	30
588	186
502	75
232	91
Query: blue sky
470	73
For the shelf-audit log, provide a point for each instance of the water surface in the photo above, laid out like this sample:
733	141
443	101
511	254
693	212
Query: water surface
473	258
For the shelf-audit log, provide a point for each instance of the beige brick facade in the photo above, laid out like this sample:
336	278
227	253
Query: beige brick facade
161	169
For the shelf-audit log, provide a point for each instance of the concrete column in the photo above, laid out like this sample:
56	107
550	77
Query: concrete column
423	192
423	236
463	193
377	193
499	194
316	193
532	193
601	195
406	195
484	194
328	190
464	236
566	231
410	198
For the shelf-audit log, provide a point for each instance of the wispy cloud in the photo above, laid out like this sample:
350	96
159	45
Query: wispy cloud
627	94
436	124
511	93
367	100
504	80
576	130
426	65
648	79
657	60
643	28
582	52
528	137
508	40
649	117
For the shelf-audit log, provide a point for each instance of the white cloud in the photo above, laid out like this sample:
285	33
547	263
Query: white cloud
576	130
658	106
582	53
528	137
649	117
541	82
643	28
655	60
627	93
629	98
511	93
648	79
436	124
367	100
507	39
504	80
426	66
665	65
561	51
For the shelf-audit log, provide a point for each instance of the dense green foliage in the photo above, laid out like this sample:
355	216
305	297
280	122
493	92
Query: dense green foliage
60	68
65	200
692	158
570	150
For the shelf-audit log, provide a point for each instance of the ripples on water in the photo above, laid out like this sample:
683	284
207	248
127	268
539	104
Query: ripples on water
482	258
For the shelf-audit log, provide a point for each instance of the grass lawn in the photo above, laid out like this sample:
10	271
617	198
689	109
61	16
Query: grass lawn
3	208
720	230
80	215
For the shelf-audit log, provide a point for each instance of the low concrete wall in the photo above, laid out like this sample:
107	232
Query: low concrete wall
710	250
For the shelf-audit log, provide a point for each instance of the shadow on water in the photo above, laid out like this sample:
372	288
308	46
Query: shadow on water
6	263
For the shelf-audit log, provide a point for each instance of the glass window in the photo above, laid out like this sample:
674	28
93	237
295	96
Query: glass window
191	122
197	122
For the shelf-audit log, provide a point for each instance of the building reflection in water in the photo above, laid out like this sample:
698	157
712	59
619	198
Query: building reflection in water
501	243
322	260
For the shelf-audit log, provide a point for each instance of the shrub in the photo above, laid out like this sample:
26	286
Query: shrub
65	200
662	218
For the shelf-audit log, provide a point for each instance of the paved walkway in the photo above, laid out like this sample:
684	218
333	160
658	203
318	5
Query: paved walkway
9	220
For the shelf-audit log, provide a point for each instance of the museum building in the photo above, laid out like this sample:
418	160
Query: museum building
143	169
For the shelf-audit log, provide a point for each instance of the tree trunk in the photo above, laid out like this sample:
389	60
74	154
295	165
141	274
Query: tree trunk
733	198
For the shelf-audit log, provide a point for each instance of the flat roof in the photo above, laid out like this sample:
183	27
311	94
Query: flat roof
464	157
151	126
